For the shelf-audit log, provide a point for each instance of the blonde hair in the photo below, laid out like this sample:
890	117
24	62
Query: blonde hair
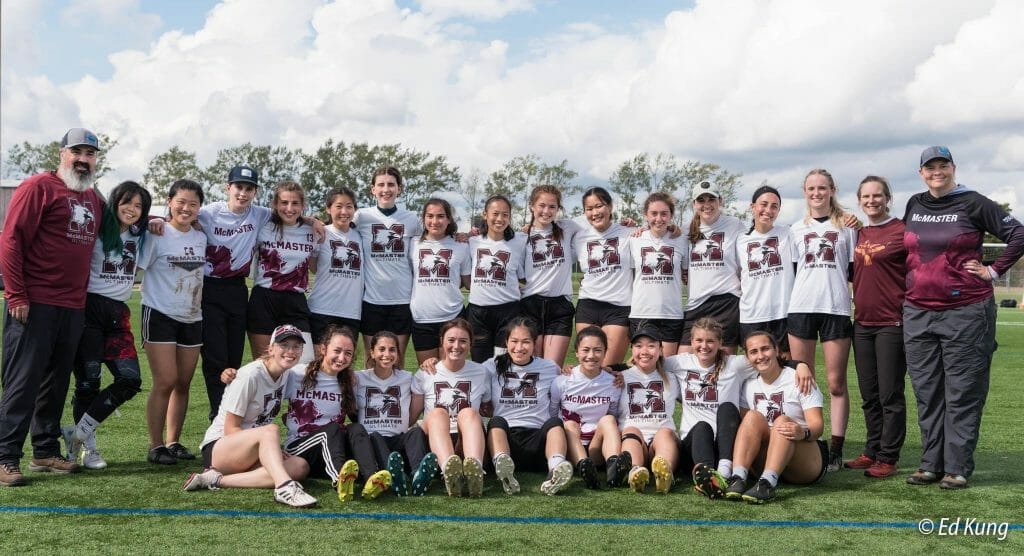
836	212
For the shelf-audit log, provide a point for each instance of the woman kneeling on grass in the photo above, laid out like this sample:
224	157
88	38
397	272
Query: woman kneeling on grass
780	429
242	448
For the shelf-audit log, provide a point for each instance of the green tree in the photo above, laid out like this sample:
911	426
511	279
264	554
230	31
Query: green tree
26	159
472	191
274	164
518	176
168	167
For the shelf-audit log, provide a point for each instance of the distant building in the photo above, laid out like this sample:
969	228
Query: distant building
7	188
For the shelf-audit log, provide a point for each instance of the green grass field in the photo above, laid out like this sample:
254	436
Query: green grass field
135	507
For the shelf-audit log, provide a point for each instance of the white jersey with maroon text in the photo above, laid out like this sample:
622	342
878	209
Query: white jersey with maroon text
383	403
521	394
497	268
313	407
714	266
338	286
454	391
173	283
386	241
701	398
781	397
658	264
586	400
112	275
230	238
284	253
605	260
824	253
254	396
766	274
549	261
647	402
438	268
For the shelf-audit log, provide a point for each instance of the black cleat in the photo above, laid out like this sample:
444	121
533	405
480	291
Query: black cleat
736	488
588	472
761	492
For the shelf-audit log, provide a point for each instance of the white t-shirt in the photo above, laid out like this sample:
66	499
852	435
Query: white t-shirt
497	268
173	283
438	268
714	266
766	274
522	393
338	287
284	257
386	240
647	403
585	400
384	402
781	397
549	261
113	274
701	399
253	395
605	261
230	238
657	275
469	387
824	254
309	409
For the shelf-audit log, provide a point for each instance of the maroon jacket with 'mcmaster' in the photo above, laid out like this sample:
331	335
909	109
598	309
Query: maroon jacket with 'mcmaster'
942	234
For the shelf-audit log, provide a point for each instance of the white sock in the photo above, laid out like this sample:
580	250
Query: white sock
740	471
725	467
554	460
771	476
86	426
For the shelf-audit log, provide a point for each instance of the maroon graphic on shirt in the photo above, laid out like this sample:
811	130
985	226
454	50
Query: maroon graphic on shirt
126	265
708	248
772	404
820	247
657	261
305	414
83	219
489	265
571	416
543	247
345	254
219	259
273	265
644	400
453	398
699	388
514	386
603	253
387	239
385	403
763	254
434	264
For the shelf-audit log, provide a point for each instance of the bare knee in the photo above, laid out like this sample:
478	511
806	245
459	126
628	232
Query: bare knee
468	416
571	427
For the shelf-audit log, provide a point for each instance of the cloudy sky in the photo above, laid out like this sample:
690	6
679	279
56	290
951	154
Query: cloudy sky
767	88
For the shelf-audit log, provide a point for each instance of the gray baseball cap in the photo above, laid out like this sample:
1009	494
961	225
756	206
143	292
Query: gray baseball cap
705	187
80	137
931	153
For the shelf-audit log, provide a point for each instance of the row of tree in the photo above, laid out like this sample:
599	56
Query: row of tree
337	163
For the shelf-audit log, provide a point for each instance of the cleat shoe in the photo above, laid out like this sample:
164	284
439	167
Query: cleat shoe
207	479
347	481
453	475
396	466
638	478
881	470
708	481
557	479
377	484
861	462
736	488
91	458
161	456
922	477
505	470
623	465
588	472
11	476
56	464
473	473
72	442
609	470
180	452
425	474
835	462
761	492
291	494
663	478
953	482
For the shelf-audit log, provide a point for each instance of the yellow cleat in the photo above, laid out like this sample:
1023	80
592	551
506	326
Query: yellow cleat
377	484
347	480
663	478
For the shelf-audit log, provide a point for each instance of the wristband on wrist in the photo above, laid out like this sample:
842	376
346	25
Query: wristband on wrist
807	433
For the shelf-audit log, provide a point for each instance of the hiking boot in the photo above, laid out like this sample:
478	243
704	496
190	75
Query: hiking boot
291	494
55	464
424	475
588	472
736	488
860	462
663	477
761	492
453	475
180	452
881	470
396	466
504	470
161	456
10	475
557	479
922	477
473	474
708	481
209	479
620	474
347	481
638	478
377	484
953	482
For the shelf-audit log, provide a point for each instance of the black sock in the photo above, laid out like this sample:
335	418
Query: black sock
837	445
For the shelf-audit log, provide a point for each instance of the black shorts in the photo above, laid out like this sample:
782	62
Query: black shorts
393	318
823	448
778	328
811	326
427	335
269	309
107	335
318	323
724	308
207	454
489	321
525	444
553	315
158	328
668	330
601	313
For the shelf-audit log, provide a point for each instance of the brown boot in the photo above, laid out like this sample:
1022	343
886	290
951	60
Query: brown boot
55	464
10	475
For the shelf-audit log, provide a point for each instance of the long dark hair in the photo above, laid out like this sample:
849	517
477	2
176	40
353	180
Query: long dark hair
592	331
110	226
771	340
503	362
341	191
380	335
448	212
509	232
348	395
280	188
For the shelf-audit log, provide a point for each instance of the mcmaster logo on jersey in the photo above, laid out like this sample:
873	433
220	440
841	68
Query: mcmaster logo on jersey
644	400
543	247
345	254
514	386
772	405
490	265
820	247
385	403
699	389
603	253
453	398
271	405
708	248
125	265
763	255
434	264
387	239
82	221
657	261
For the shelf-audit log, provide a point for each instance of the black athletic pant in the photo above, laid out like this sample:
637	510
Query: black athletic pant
37	359
323	449
224	319
881	370
702	446
106	338
371	450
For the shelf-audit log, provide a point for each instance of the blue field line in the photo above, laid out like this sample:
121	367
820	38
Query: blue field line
469	519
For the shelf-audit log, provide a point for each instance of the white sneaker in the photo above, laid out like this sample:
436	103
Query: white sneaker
291	494
72	442
91	457
207	479
557	479
504	470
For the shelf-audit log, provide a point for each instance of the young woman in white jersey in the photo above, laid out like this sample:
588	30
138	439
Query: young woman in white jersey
242	447
658	261
286	244
107	336
522	431
819	306
499	255
646	410
766	256
587	401
451	398
441	268
714	275
172	326
336	297
606	288
547	296
387	414
780	429
386	232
